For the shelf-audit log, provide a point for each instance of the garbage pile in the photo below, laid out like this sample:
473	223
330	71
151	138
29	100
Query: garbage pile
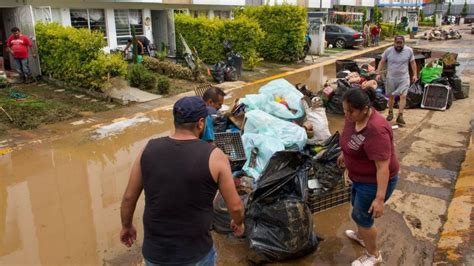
229	70
438	34
351	76
287	142
438	85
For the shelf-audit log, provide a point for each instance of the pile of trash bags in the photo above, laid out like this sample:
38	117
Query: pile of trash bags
279	126
441	73
229	70
364	78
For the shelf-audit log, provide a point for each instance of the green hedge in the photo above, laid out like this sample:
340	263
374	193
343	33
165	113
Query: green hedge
426	24
284	27
387	30
207	36
76	57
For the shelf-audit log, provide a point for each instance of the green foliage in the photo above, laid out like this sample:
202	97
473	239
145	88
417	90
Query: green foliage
167	68
377	15
76	57
448	12
134	45
365	15
201	33
3	82
161	55
163	85
207	36
426	24
142	78
421	15
252	60
284	27
386	30
464	9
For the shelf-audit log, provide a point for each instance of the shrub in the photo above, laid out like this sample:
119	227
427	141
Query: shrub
167	68
387	30
284	27
426	24
207	36
201	33
75	56
163	85
252	60
142	78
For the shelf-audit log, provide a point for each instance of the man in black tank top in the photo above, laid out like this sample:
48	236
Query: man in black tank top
180	176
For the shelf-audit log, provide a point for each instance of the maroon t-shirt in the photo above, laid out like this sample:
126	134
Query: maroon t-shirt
372	143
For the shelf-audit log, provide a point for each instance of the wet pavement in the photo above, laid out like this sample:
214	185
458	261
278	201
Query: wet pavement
60	198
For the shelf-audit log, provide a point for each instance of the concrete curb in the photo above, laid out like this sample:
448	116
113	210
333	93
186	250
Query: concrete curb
455	246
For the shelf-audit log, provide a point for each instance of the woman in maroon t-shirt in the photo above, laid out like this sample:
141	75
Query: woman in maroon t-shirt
369	155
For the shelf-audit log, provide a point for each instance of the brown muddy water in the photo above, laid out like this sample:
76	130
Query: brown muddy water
60	200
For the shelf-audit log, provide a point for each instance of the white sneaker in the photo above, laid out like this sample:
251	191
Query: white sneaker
368	260
353	235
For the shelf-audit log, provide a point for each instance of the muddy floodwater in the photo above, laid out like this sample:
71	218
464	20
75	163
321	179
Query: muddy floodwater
60	200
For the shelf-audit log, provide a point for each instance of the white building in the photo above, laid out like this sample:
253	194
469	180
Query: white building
396	9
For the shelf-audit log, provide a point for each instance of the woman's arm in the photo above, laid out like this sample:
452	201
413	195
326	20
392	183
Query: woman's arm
382	182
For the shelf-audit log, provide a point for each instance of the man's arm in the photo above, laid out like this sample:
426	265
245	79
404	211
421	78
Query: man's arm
9	44
220	170
380	67
414	69
132	193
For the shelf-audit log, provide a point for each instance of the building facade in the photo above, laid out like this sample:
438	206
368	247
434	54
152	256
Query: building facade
396	9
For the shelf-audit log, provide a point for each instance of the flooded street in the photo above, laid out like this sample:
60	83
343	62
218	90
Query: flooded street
60	199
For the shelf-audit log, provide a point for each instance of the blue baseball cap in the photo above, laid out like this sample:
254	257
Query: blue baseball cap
189	110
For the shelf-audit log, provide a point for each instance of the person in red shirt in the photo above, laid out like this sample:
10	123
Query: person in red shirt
369	155
17	46
375	32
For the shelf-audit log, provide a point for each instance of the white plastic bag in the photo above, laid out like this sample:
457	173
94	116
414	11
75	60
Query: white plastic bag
318	119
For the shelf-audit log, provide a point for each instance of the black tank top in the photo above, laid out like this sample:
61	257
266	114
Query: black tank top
179	191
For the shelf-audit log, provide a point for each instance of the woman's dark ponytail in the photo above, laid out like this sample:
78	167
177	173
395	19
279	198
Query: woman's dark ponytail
360	98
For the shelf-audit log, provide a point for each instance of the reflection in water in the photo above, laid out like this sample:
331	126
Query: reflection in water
59	201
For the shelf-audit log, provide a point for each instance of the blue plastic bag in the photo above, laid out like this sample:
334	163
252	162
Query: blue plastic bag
266	100
290	134
265	146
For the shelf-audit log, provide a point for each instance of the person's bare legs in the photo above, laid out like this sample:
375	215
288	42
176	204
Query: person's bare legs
391	101
402	104
369	235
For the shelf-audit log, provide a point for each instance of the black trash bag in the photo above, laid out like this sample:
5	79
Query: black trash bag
228	46
218	71
380	102
414	95
235	60
278	221
221	219
456	85
325	167
219	122
231	74
342	74
334	105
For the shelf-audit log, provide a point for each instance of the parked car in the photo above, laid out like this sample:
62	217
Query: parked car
469	19
342	36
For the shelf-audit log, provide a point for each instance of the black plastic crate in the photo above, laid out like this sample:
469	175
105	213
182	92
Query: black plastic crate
231	144
436	96
338	196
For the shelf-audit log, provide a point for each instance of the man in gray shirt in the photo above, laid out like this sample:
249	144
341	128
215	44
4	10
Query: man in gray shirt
397	58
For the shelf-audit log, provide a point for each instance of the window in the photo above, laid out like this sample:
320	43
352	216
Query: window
222	14
124	20
92	19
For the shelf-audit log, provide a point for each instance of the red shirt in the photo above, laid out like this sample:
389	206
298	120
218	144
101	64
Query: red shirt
372	143
375	31
19	45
